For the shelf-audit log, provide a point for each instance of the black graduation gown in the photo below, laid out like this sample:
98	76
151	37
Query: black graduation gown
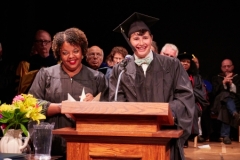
53	85
220	95
165	81
36	61
200	100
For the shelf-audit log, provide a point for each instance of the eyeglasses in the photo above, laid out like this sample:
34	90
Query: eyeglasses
92	55
44	42
227	66
117	58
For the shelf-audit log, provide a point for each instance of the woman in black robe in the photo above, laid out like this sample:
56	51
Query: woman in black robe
199	92
52	85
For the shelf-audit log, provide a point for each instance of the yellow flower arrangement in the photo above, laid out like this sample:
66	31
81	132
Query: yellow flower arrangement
23	109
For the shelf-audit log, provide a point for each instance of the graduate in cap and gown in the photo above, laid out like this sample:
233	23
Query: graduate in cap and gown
150	77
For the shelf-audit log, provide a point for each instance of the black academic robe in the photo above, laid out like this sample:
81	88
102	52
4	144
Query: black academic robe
200	100
221	94
53	85
165	81
36	61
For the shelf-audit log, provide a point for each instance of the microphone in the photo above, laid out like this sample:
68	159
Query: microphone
123	64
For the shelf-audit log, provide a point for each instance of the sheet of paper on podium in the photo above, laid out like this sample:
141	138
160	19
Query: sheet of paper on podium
70	98
83	96
97	98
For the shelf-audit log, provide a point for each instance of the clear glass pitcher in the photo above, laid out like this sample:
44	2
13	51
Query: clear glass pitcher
42	140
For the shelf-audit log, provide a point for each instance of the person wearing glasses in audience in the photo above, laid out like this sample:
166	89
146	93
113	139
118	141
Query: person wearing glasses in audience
52	84
226	94
149	77
117	54
42	45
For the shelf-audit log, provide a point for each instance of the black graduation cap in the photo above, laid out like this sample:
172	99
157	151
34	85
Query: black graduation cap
136	22
185	56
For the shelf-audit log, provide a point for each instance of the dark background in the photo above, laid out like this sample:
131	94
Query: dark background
207	29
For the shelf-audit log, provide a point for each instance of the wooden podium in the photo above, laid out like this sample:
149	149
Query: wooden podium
118	131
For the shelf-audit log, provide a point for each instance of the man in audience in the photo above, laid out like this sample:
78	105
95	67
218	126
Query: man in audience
169	50
226	92
94	59
42	45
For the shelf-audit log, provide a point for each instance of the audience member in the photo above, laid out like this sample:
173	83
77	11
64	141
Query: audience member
198	90
169	50
117	54
150	77
94	59
226	92
154	47
42	46
204	126
69	46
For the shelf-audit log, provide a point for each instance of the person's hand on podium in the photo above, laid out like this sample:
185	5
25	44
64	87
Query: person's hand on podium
89	97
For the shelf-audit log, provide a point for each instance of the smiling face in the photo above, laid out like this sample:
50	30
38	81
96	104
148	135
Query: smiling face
71	57
142	43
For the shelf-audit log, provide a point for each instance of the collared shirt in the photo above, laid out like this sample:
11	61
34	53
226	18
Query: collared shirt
145	66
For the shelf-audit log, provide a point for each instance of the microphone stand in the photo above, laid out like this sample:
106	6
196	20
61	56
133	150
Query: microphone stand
118	82
123	64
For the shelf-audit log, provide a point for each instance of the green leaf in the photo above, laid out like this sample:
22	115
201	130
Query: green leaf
24	120
6	129
23	128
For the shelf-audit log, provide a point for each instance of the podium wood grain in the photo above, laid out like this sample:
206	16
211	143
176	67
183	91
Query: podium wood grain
118	130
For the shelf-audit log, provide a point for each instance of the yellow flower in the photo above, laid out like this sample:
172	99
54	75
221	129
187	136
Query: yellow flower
35	114
7	107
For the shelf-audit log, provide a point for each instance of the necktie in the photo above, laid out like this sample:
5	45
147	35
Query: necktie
147	61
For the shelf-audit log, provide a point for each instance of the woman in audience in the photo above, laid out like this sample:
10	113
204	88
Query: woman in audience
199	92
53	84
116	56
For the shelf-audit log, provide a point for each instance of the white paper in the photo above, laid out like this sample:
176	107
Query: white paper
97	98
70	98
204	146
83	96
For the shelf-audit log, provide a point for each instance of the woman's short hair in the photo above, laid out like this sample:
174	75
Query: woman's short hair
120	50
73	36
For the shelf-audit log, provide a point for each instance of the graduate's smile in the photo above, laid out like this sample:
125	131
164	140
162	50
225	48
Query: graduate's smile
142	43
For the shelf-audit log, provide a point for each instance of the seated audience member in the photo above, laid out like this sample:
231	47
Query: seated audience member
169	50
150	77
94	59
198	90
7	78
42	45
204	125
68	46
226	92
117	55
154	47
